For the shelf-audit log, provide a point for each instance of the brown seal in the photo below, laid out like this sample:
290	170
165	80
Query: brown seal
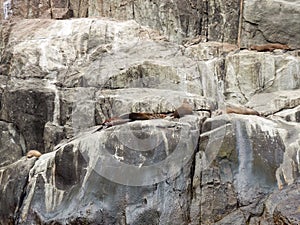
269	47
132	117
115	121
184	109
146	116
241	110
34	153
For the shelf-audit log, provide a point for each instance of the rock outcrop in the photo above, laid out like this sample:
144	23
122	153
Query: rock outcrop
61	78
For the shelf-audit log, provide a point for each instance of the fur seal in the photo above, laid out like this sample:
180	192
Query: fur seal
269	47
241	110
146	116
34	153
115	121
184	109
132	117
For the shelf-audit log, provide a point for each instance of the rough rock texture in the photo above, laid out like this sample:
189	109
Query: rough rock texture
178	20
12	144
14	179
236	167
97	188
249	73
272	21
242	22
61	79
29	107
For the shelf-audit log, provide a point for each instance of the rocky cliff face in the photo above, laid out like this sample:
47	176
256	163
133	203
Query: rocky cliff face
61	79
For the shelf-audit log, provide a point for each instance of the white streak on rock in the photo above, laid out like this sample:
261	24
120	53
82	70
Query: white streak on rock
56	113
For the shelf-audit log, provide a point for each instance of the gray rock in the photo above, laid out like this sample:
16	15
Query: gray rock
60	78
235	167
275	102
13	180
118	179
178	20
249	73
111	103
12	144
53	135
271	21
28	105
282	207
292	115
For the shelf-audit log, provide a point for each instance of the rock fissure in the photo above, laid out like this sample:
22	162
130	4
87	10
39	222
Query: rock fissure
22	197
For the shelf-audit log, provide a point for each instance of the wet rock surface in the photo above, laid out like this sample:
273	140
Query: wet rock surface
61	79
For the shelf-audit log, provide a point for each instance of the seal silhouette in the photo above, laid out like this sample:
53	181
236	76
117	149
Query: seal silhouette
269	47
33	153
184	109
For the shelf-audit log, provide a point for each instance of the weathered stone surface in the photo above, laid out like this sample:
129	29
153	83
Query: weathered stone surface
290	114
101	173
235	167
13	180
262	21
29	105
61	77
274	102
282	207
52	136
61	13
209	20
24	9
65	105
249	73
12	144
111	103
271	21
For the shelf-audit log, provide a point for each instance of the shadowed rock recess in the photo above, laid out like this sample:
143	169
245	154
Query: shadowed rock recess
67	67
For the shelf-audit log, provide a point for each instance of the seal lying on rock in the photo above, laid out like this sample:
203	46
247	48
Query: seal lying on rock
184	109
115	121
146	116
34	153
238	110
241	110
269	47
132	117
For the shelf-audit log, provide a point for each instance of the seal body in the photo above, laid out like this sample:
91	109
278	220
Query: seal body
115	121
125	118
146	116
241	110
184	109
33	153
269	47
